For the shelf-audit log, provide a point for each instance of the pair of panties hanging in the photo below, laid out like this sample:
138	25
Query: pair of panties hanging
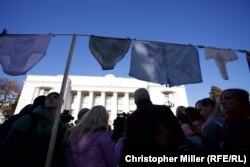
108	51
19	53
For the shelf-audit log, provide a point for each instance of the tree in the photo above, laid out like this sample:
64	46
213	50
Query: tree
215	93
9	94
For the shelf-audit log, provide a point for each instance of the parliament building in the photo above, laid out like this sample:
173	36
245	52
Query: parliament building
115	93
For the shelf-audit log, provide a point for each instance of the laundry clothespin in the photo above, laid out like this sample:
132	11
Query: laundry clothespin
4	32
200	46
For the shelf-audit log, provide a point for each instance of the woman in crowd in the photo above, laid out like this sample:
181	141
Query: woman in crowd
191	119
236	129
209	138
90	141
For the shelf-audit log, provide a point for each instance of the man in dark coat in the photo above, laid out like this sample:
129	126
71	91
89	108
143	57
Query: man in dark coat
28	141
151	128
28	109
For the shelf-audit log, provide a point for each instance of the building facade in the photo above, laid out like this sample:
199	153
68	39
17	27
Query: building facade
115	93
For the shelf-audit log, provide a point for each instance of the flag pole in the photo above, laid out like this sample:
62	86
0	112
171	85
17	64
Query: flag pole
58	111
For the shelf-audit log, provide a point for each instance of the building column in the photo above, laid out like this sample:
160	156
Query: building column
126	102
91	98
36	93
78	103
175	101
113	113
171	98
102	100
41	92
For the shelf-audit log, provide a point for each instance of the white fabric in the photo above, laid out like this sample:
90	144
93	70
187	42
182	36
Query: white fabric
165	63
18	54
221	56
108	51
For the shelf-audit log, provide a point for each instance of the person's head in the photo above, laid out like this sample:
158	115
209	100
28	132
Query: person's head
205	107
141	94
81	113
30	107
96	118
197	104
51	102
231	99
39	100
179	110
193	114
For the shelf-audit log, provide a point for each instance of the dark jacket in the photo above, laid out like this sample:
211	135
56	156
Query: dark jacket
27	145
237	133
6	127
152	129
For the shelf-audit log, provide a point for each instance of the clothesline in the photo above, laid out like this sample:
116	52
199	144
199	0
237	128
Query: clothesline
87	35
108	51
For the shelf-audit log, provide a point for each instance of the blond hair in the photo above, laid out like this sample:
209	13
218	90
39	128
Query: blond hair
96	118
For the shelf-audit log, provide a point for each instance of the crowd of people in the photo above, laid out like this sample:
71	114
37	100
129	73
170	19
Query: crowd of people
219	126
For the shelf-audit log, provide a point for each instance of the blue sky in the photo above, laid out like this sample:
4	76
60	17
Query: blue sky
217	23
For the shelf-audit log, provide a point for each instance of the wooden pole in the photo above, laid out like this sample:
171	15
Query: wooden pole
58	110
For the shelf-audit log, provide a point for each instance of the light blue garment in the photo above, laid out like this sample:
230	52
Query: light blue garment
18	54
165	63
